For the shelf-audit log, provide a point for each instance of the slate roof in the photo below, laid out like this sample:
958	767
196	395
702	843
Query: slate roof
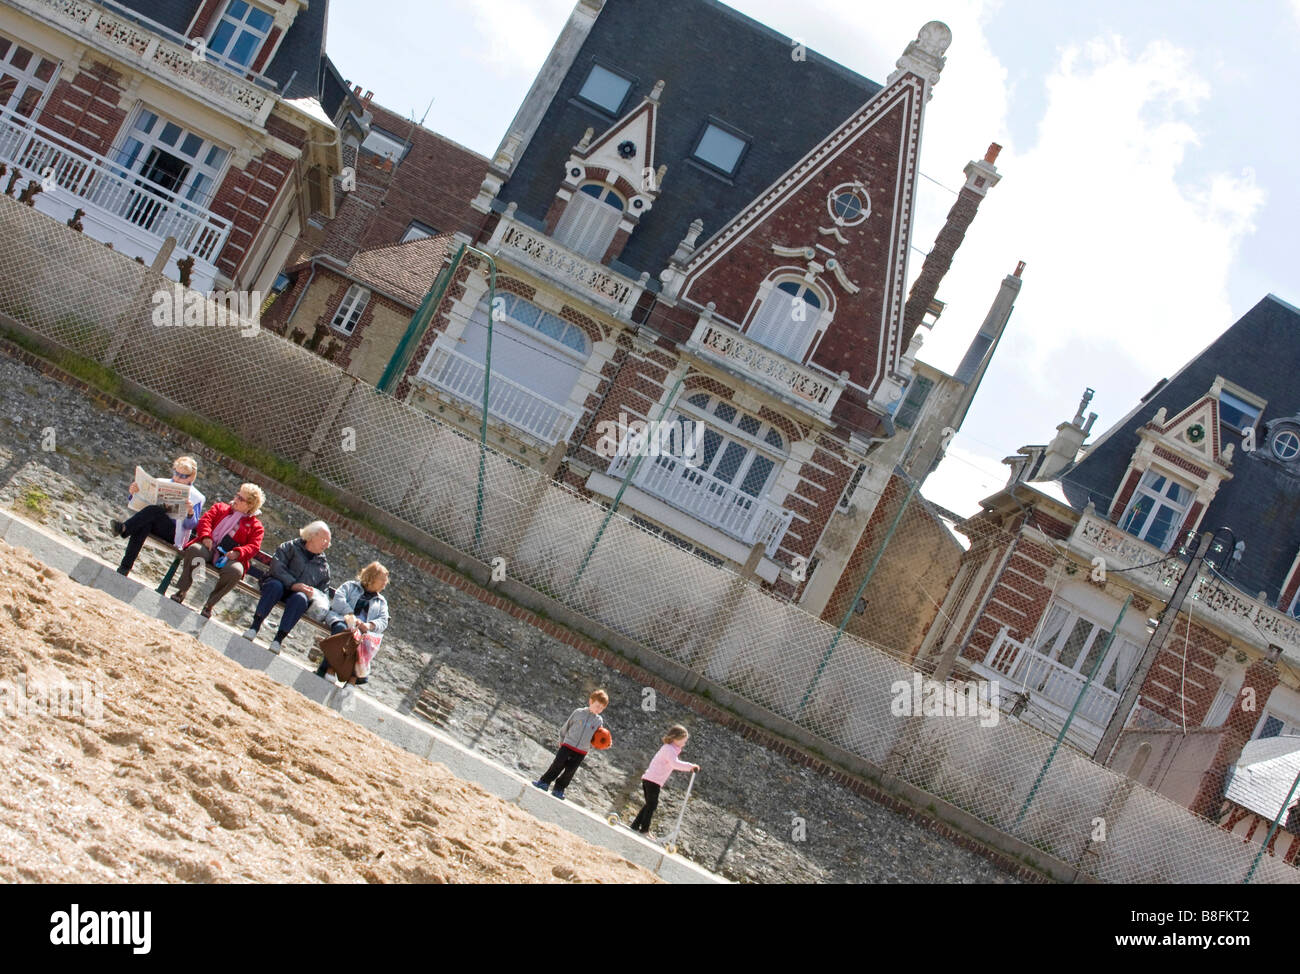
714	62
1264	774
1261	503
404	271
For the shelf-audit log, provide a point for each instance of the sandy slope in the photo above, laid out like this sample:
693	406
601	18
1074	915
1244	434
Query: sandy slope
203	771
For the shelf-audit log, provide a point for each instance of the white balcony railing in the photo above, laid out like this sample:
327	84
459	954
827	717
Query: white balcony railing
1016	666
176	65
508	401
1215	602
708	499
95	183
586	278
749	360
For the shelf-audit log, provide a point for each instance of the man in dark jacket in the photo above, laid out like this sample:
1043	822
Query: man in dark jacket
298	570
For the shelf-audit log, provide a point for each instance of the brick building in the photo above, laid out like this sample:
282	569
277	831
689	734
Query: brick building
201	120
357	278
1216	448
692	239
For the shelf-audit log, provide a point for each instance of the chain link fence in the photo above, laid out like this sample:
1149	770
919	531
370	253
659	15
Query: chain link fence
845	688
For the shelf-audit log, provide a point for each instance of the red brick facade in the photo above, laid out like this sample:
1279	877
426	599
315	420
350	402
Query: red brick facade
84	109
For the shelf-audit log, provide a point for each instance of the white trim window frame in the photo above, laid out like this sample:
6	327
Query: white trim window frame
1156	511
600	89
162	151
788	317
1072	639
385	144
238	34
1276	725
350	309
26	77
738	449
590	220
1238	406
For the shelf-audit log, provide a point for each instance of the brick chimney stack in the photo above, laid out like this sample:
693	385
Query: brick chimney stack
980	178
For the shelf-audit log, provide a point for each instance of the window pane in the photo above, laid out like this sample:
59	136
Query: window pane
46	70
575	338
1137	515
720	149
170	133
1236	412
712	440
259	20
749	424
1094	651
237	9
1162	526
756	476
1272	727
700	399
191	146
605	88
725	411
242	52
1074	643
732	457
22	57
221	37
774	438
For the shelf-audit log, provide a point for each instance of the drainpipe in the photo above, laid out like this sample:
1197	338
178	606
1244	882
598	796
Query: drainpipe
301	294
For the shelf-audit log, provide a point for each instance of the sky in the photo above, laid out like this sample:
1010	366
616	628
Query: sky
1149	168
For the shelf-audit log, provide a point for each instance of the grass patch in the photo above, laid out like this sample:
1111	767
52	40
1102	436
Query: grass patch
35	502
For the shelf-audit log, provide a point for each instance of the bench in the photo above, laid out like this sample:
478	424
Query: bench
258	568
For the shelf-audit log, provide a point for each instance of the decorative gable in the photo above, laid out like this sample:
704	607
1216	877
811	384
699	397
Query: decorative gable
609	184
1187	450
841	217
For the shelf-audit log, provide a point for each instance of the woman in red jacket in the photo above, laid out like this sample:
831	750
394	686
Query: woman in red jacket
227	537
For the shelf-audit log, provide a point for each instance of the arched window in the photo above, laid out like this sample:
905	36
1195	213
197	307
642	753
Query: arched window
590	220
787	318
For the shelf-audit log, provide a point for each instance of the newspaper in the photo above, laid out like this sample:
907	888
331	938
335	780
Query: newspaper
171	495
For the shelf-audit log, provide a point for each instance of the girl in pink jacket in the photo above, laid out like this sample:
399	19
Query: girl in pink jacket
664	763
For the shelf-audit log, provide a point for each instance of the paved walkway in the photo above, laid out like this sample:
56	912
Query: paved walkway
408	733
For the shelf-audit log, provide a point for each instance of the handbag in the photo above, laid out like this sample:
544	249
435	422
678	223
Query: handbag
340	652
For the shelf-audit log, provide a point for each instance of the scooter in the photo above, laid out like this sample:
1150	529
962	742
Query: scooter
669	842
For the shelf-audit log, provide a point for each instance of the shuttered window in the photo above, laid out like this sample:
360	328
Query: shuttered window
787	319
590	221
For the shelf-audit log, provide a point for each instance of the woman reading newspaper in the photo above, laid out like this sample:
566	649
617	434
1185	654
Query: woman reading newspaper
167	509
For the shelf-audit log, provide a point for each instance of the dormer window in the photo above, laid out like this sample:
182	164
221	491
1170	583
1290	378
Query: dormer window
240	33
605	89
719	149
787	318
417	231
590	220
1156	512
385	144
1236	412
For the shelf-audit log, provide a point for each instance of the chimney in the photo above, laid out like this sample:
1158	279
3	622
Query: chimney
1069	440
980	178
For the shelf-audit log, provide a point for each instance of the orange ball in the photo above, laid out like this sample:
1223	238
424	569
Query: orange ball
602	739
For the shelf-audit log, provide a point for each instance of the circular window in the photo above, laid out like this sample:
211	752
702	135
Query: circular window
849	204
1286	445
